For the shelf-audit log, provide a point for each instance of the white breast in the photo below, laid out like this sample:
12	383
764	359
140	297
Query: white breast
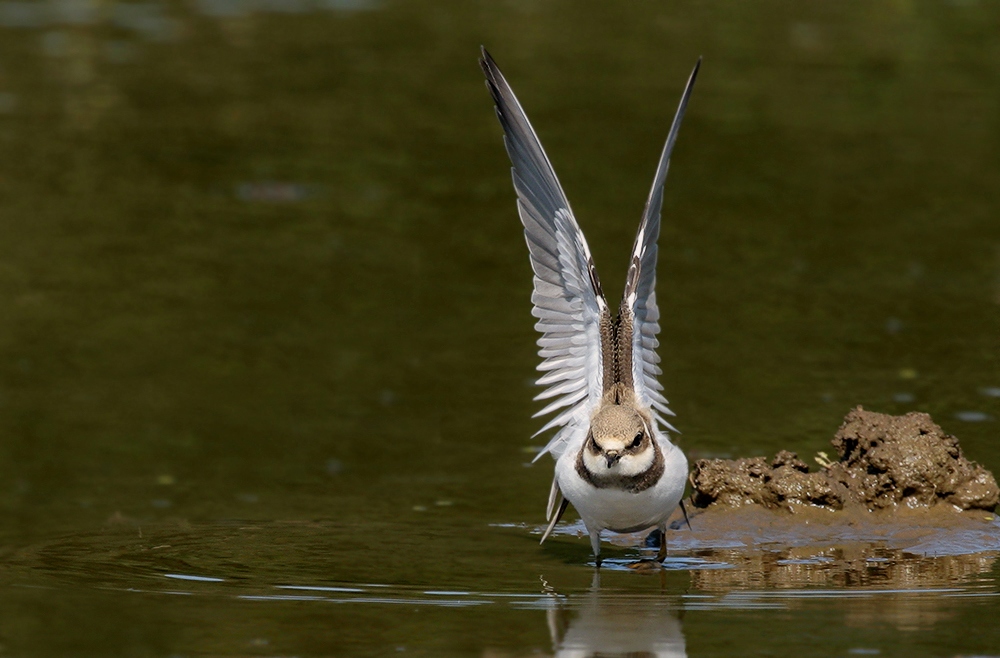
621	511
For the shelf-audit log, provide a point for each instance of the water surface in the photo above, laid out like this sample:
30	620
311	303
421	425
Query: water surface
265	343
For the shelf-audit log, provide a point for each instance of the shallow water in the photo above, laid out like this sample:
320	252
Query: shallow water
265	343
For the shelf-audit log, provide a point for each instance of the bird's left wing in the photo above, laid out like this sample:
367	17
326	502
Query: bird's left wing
568	300
640	288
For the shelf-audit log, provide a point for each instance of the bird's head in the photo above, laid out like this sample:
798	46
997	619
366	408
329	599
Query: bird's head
619	442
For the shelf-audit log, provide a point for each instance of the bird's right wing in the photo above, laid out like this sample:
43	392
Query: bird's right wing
568	300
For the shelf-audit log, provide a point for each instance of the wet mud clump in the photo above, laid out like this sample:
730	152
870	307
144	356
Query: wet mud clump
885	461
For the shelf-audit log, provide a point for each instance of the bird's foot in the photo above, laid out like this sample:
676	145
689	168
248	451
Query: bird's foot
646	566
661	554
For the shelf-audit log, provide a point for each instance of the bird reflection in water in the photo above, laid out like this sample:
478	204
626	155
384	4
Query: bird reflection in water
615	624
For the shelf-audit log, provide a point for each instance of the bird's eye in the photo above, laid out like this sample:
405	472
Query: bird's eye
637	440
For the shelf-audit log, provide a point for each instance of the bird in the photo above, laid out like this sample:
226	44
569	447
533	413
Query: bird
614	460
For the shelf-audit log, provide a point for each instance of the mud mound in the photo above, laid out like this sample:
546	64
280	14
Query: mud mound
885	461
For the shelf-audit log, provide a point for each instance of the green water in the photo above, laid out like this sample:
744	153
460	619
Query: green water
264	315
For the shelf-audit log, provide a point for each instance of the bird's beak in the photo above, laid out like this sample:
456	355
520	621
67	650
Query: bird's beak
612	456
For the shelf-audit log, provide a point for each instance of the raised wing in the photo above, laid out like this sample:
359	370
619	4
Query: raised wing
569	303
640	286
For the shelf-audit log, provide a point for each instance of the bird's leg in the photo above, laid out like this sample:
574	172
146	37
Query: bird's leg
646	565
595	544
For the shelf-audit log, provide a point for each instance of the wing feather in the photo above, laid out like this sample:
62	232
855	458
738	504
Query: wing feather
562	361
567	298
569	398
640	287
560	373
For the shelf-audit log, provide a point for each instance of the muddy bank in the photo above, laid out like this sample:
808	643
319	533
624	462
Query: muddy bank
884	462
